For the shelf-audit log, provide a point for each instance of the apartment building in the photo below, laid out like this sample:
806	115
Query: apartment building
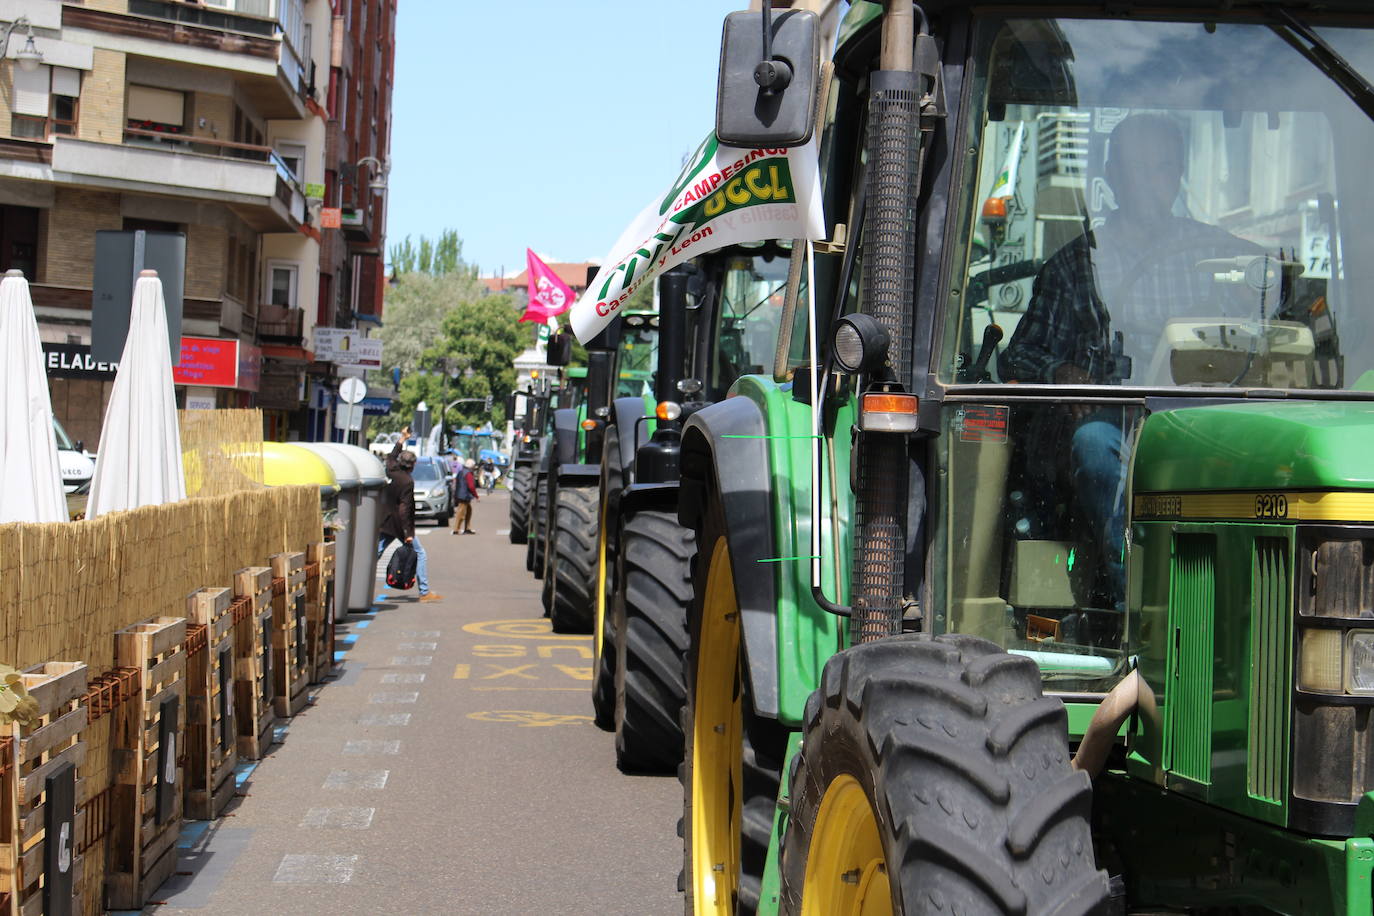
211	119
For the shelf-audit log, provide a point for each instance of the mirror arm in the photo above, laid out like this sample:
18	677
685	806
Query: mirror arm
771	75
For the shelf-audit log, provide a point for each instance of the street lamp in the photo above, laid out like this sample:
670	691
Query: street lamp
380	171
29	56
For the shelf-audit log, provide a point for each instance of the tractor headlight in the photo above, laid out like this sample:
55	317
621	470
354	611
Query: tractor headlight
1320	661
1359	662
859	342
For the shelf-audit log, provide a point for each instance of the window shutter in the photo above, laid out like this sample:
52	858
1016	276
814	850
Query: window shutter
31	91
66	81
160	105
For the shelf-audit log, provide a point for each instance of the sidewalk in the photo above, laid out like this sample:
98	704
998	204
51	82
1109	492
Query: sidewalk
450	767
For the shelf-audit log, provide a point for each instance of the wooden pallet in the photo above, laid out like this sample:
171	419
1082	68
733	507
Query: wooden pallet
253	687
212	730
42	788
290	658
148	732
319	609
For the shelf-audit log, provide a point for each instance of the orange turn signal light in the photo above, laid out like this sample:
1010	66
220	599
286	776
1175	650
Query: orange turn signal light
891	403
589	425
668	410
995	209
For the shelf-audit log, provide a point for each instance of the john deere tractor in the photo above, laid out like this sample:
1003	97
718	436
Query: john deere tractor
525	453
718	318
1038	575
572	475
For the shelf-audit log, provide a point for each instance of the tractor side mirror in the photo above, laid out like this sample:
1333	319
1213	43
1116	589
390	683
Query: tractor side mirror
560	349
766	92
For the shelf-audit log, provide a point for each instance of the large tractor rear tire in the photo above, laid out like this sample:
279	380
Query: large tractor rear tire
732	758
934	778
572	572
521	483
603	635
654	587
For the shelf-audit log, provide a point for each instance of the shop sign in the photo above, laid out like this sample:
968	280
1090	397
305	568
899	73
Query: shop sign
331	218
208	362
347	347
76	361
376	407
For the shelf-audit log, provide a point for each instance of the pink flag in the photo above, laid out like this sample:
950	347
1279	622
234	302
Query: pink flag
549	296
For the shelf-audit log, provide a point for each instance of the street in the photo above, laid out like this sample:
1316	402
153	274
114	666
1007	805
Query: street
450	767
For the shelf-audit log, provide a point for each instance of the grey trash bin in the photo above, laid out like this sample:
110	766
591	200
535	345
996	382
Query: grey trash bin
346	555
371	474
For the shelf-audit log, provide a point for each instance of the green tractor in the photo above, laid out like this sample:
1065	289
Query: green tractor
1038	577
533	404
718	319
570	484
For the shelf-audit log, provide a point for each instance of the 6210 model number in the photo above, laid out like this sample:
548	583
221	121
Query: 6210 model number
1271	505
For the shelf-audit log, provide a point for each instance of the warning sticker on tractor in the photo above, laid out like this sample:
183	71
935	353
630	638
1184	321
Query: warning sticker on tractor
983	423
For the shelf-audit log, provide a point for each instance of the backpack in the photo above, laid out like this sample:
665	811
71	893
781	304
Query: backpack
400	569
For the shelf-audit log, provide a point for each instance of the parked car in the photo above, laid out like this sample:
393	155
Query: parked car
433	498
76	463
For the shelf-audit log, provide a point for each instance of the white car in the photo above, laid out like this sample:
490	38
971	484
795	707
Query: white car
77	466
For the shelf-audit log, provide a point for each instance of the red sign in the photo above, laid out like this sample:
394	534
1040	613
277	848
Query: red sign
331	218
208	361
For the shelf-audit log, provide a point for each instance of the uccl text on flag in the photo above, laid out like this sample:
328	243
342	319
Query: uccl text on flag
725	195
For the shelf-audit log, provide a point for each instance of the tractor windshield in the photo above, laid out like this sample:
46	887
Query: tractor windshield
1165	204
747	321
1153	205
636	356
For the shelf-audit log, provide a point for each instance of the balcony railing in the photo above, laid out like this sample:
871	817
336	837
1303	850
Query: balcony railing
280	322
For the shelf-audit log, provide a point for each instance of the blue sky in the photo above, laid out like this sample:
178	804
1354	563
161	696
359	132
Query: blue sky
544	124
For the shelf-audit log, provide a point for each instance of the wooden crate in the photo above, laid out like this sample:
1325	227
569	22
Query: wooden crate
253	687
290	658
148	732
319	609
42	791
212	732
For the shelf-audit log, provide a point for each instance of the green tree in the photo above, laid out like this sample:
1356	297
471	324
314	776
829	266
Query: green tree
403	258
472	358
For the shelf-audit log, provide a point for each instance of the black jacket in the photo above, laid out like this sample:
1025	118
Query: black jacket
398	500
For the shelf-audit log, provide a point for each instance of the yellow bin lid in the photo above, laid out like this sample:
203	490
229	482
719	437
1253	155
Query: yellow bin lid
284	464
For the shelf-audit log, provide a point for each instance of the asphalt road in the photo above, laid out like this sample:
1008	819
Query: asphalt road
451	767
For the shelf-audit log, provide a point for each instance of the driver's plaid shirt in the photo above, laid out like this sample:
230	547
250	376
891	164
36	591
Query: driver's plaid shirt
1068	320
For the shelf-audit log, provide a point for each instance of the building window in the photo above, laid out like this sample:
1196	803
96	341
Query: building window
156	111
292	155
45	102
281	283
19	240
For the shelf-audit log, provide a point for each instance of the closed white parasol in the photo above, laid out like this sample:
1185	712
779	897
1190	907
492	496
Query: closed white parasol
139	463
30	476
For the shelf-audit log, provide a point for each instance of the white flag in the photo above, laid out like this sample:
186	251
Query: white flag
724	196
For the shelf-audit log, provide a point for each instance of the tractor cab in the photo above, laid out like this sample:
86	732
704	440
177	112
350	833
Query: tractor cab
1137	233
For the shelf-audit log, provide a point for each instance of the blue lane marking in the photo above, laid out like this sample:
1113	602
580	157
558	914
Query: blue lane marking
191	833
363	624
349	638
243	772
339	655
279	732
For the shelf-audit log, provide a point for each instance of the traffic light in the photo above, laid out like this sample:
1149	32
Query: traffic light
487	405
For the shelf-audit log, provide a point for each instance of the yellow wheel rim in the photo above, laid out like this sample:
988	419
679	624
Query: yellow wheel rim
600	624
846	871
717	740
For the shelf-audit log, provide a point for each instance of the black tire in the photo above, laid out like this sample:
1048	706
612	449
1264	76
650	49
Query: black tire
964	766
443	520
603	671
572	573
762	743
653	589
520	484
541	510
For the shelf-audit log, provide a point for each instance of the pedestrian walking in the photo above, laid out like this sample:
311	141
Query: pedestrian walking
398	513
466	492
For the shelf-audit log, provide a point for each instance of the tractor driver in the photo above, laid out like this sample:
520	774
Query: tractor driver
1104	298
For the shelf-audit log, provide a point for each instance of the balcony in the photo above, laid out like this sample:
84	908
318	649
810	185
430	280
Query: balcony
251	180
280	324
262	41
